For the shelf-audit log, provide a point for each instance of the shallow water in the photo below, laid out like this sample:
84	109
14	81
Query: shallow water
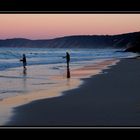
9	57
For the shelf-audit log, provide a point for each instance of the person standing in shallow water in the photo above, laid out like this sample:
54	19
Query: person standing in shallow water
68	61
24	61
67	58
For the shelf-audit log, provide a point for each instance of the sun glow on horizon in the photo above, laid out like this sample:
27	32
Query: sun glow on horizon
48	26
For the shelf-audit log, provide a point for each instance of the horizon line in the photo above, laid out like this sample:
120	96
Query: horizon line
71	36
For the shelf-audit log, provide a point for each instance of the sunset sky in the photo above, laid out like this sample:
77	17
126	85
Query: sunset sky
46	26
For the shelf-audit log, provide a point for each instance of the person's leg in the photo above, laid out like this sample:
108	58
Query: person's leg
67	64
24	65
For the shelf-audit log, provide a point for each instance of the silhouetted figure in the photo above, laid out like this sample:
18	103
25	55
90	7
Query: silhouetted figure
24	61
67	58
68	72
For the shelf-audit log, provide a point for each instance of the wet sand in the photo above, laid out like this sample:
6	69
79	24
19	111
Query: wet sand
42	82
108	99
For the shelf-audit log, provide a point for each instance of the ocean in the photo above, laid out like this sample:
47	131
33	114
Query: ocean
9	57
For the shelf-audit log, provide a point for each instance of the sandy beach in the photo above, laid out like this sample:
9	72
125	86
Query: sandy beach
42	82
107	99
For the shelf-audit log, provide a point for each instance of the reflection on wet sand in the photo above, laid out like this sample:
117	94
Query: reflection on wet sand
24	79
68	72
71	81
24	72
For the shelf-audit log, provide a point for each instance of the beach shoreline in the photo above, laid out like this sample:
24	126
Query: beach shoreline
61	84
108	99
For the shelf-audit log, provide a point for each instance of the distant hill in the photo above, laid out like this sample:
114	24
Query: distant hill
79	41
133	47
